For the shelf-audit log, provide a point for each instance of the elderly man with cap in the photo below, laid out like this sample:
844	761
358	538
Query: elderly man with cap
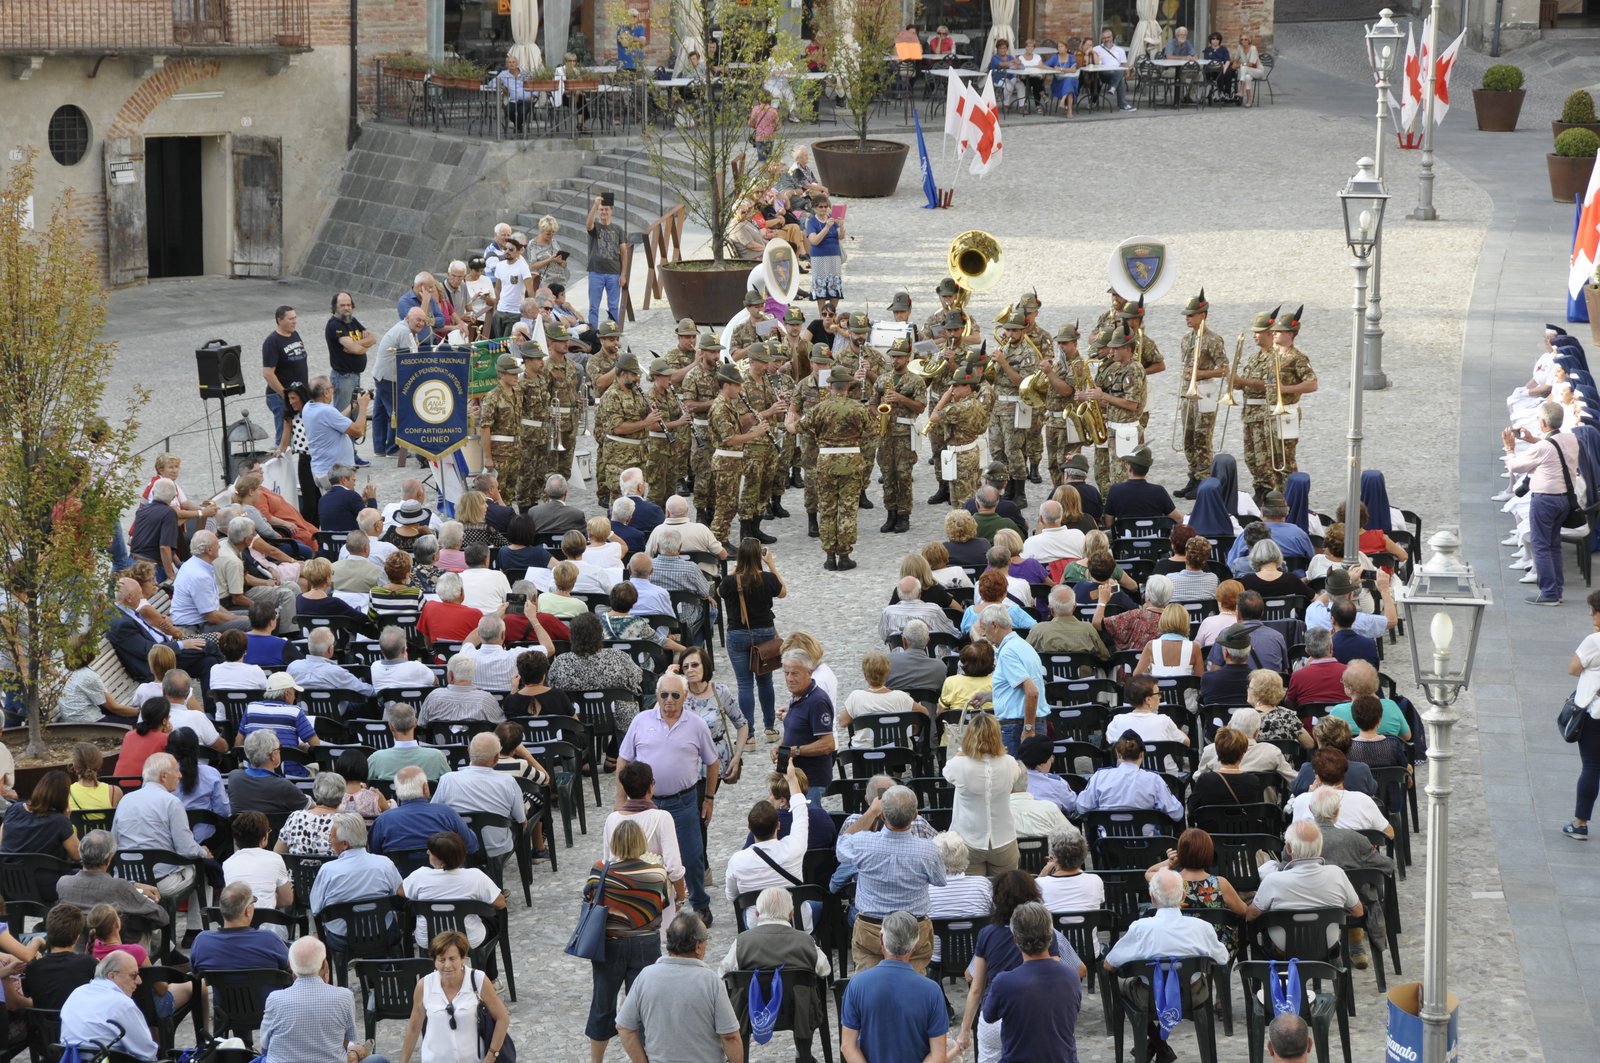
1137	497
761	397
1037	754
566	406
1121	390
499	424
1075	474
731	430
1199	415
841	427
623	421
701	389
1011	420
905	394
666	459
1341	586
1227	683
963	412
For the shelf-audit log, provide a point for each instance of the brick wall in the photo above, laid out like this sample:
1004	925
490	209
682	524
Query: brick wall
1060	19
384	26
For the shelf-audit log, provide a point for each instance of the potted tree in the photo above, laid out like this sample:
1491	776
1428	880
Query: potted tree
1499	102
857	36
1571	164
62	502
1576	113
704	155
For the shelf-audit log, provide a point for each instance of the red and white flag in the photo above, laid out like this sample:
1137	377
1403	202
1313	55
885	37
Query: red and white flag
984	128
1586	242
1441	79
1411	87
955	108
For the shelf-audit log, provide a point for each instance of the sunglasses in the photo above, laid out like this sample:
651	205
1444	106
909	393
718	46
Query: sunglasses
450	1012
671	695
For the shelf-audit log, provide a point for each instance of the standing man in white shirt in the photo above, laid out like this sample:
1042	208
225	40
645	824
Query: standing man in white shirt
771	860
513	282
406	334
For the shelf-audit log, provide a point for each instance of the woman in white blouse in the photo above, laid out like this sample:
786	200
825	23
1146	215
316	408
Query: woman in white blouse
1250	67
981	771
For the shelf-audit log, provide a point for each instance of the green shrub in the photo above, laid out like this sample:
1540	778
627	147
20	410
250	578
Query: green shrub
404	61
1502	77
1577	144
456	67
1578	110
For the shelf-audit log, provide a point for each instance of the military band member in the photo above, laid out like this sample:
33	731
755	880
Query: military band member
1067	373
1259	377
1110	319
1014	360
781	374
1198	422
963	412
900	312
1120	389
807	393
566	398
731	430
841	426
682	356
499	414
700	389
745	334
950	335
667	458
601	366
1297	378
904	392
534	442
1029	304
949	294
758	399
865	365
624	420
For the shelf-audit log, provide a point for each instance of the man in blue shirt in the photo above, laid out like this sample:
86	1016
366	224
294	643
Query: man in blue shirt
278	713
1290	539
341	505
238	944
1128	787
331	435
891	1012
1036	1002
1267	648
93	1013
424	294
354	874
1018	686
808	724
407	826
1342	587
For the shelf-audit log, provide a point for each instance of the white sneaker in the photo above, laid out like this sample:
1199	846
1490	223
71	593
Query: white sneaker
1531	577
1523	563
1503	496
1510	540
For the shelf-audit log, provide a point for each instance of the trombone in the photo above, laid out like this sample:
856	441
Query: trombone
1227	401
1189	401
1277	446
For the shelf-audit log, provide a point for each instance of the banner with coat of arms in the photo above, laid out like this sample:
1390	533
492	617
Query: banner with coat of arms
432	388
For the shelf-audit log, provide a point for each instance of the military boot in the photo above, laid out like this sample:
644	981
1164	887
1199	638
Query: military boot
941	495
1033	473
902	521
812	531
845	563
831	564
775	508
888	522
864	502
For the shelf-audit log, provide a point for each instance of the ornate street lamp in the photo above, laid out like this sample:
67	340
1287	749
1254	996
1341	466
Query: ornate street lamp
1362	200
1383	56
1443	606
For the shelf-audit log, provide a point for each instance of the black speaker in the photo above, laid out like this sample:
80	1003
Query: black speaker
218	364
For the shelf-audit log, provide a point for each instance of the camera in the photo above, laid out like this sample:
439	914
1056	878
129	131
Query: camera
783	759
515	602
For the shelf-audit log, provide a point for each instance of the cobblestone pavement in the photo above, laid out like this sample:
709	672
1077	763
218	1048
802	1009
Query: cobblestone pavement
1247	201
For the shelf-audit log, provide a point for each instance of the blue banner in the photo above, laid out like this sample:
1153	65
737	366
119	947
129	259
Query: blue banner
929	187
431	386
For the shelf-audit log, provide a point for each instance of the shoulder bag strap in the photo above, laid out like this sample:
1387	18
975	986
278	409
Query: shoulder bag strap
1231	790
779	868
744	617
1566	474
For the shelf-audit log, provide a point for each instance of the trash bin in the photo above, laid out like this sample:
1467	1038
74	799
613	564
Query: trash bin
1405	1025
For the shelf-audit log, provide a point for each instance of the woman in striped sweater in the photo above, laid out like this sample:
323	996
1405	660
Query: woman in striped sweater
636	893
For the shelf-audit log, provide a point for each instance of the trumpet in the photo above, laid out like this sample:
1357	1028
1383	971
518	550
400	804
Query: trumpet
1227	401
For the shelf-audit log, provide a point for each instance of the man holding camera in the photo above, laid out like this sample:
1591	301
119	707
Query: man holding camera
329	433
606	239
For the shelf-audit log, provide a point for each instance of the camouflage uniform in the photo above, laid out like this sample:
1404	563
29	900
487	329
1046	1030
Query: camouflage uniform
1059	442
745	335
838	423
727	465
667	457
780	376
500	413
1146	353
807	393
1293	368
566	411
850	358
897	452
533	438
761	453
618	406
949	350
964	421
1197	427
1123	382
1008	443
1035	441
700	385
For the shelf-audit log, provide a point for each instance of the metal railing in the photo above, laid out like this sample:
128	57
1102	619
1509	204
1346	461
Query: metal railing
602	105
159	26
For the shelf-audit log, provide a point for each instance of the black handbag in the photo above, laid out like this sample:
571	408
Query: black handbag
1570	719
508	1050
1576	516
588	941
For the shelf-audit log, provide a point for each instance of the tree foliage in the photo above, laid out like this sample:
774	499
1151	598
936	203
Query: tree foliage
64	477
857	36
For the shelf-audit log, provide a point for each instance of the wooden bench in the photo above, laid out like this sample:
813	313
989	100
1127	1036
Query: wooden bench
108	666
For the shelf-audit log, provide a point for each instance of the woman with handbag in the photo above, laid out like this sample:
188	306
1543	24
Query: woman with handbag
632	893
1585	701
748	593
455	1011
1552	496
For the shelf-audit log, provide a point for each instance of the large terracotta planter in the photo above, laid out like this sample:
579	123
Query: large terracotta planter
703	292
1497	111
1569	178
1557	128
850	172
108	736
1591	299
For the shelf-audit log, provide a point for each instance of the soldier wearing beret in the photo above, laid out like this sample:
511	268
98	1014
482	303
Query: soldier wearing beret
623	420
499	414
1121	391
841	426
951	335
667	455
682	355
900	312
1199	415
700	389
903	391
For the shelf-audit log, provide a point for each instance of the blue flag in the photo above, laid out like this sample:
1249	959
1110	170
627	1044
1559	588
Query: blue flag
431	407
929	188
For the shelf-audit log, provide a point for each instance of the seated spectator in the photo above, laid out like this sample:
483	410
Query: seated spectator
1038	755
139	903
257	867
407	826
559	600
84	698
773	941
1228	592
994	589
409	521
351	765
1064	886
40	826
530	696
592	666
406	751
1303	880
451	558
152	817
87	793
446	878
1221	778
1179	538
460	699
945	574
619	624
1056	540
448	620
482	587
1278	722
1332	557
910	667
1065	633
603	547
823	832
479	787
1132	629
1228	681
1096	572
1193	860
784	857
1165	934
1369	746
277	712
1095	544
305	832
472	511
358	570
1267	648
318	600
1144	718
1333	733
1348	644
1193	583
1172	652
148	736
1267	576
999	560
200	786
260	787
264	647
875	700
62	967
397	594
973	680
1021	567
396	669
1358	811
493	664
522	550
237	944
355	874
911	603
1128	785
962	544
233	673
986	515
1320	681
1032	817
929	589
1361	679
103	1012
1351	851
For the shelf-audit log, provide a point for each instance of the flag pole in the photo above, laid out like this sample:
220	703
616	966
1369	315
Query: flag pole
1425	211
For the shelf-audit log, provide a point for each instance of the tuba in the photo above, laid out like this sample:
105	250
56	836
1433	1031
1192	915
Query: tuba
974	262
935	372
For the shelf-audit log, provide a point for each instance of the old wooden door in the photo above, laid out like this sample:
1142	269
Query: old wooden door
257	206
127	246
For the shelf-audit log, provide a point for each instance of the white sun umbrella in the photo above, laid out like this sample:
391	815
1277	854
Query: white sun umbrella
1147	35
524	29
1003	12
